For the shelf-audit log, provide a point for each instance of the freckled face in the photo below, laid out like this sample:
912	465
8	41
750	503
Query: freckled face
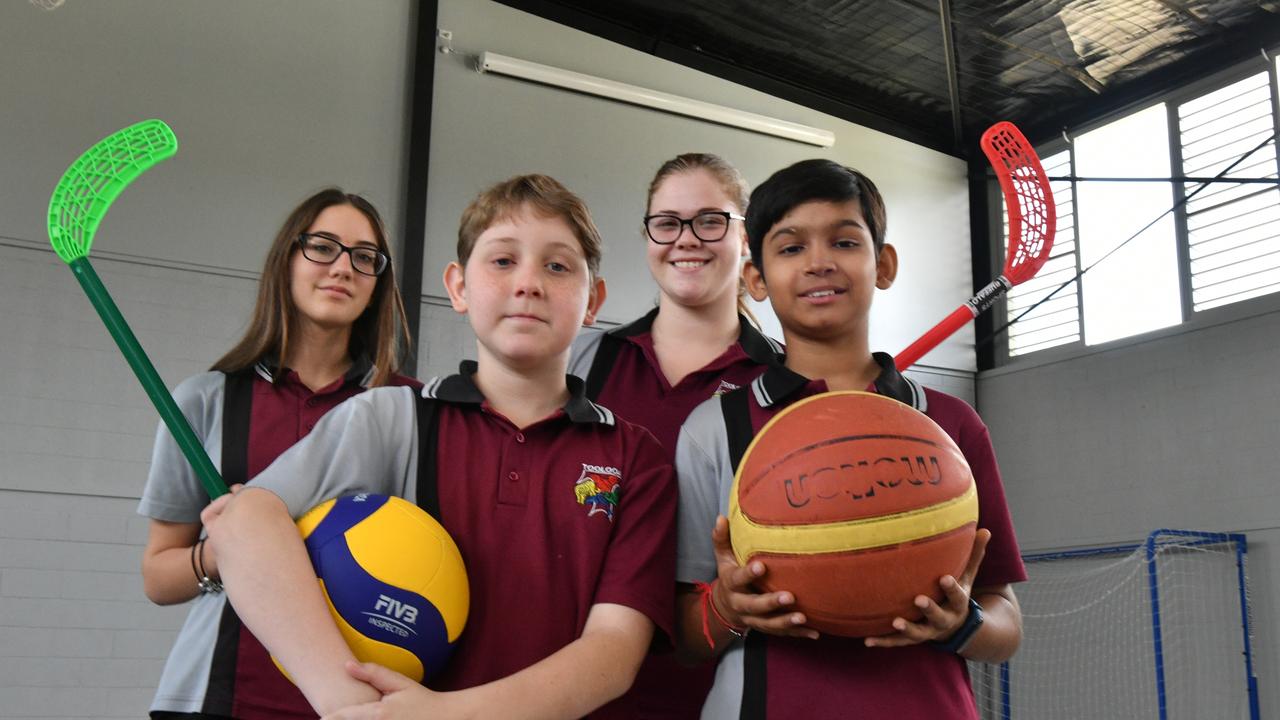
526	289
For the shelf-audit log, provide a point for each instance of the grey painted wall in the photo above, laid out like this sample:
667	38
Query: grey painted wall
488	127
1180	431
271	101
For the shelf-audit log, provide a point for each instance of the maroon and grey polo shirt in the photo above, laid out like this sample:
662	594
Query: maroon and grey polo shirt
574	510
245	420
774	677
622	372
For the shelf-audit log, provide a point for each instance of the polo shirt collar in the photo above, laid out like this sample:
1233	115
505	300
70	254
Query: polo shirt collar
762	349
360	372
640	326
779	382
461	389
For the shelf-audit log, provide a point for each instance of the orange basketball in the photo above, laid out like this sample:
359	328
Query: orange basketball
856	503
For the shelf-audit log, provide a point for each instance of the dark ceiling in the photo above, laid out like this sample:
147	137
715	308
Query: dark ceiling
939	72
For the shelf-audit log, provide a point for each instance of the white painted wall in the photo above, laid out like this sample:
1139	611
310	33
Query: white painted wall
1181	431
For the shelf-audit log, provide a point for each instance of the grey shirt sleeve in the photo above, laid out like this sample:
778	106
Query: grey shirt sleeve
369	443
705	474
583	352
173	493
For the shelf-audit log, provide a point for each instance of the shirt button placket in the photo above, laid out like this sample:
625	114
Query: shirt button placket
514	486
308	416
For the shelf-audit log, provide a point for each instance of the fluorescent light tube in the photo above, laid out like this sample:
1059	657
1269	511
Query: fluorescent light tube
636	95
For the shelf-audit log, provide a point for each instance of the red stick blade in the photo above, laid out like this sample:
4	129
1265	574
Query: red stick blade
1032	213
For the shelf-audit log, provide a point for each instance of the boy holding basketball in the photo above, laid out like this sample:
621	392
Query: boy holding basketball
816	235
566	589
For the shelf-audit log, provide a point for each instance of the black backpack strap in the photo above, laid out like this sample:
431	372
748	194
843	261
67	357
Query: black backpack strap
428	445
237	407
602	365
735	406
754	677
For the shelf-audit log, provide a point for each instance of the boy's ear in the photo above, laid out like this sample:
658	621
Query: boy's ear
755	281
456	285
594	301
886	267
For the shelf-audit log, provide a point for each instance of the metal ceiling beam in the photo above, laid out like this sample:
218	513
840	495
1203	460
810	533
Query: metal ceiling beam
1082	77
953	81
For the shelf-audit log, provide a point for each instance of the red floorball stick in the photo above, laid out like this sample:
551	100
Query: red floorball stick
1032	220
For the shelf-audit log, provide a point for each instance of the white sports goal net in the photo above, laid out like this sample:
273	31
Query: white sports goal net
1158	630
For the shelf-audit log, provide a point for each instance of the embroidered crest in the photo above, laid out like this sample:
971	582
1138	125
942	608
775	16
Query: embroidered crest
725	386
599	488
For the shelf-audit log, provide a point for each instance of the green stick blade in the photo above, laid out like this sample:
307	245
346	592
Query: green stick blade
93	182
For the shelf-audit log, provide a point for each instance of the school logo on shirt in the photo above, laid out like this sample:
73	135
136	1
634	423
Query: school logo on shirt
599	488
725	386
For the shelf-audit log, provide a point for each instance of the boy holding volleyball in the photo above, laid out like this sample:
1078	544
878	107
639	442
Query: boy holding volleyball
565	590
816	236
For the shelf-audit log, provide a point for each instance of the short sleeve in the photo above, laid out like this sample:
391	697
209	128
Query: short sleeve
1003	562
368	443
173	493
640	567
705	477
583	353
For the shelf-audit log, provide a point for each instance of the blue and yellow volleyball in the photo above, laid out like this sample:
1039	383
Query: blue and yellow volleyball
394	580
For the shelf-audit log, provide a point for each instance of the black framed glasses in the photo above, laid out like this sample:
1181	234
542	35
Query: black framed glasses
709	226
325	250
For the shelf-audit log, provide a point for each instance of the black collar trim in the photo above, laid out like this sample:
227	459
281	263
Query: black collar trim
762	349
639	326
361	371
461	389
779	382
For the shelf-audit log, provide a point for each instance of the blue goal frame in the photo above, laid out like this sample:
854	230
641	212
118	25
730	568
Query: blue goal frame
1153	542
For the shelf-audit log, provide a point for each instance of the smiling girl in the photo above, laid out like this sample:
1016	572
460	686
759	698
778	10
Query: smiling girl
698	342
326	326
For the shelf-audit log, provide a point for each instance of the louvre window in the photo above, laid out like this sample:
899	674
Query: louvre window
1233	230
1221	247
1055	321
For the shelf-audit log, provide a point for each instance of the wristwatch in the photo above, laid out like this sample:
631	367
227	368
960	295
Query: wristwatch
966	632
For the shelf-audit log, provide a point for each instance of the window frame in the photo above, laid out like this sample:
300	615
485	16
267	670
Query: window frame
1191	321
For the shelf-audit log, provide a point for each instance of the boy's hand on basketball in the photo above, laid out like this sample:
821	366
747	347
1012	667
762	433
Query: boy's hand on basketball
940	621
741	604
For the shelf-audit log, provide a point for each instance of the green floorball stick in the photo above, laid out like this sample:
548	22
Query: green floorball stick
79	203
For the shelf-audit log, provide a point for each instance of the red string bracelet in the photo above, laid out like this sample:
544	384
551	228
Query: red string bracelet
704	591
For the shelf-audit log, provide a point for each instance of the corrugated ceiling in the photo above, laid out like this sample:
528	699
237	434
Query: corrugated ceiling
900	66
